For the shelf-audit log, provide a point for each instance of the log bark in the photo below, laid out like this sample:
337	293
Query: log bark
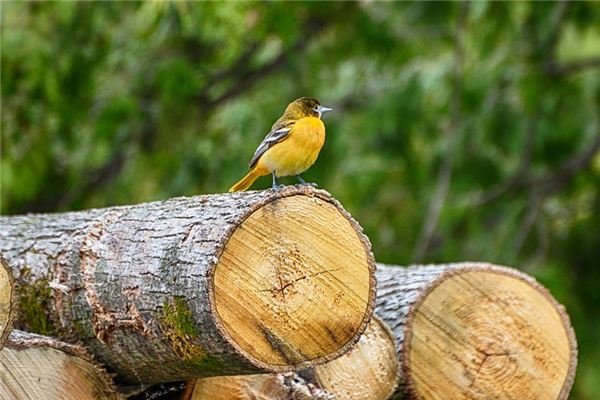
273	280
7	301
476	331
462	331
36	367
369	371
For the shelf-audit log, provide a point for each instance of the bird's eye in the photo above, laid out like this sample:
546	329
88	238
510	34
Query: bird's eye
316	108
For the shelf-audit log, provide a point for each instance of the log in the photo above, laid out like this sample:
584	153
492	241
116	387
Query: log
462	331
7	301
39	367
476	331
288	386
273	280
369	371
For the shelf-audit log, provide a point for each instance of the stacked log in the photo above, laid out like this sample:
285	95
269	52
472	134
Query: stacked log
39	367
262	295
369	371
476	331
462	331
202	286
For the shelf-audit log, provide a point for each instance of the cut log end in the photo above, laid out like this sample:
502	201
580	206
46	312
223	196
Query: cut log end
255	387
295	283
38	367
7	301
488	333
369	371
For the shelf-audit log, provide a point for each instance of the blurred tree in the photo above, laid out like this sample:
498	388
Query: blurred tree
461	131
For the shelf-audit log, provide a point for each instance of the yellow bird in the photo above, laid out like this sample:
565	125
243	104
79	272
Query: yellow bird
291	147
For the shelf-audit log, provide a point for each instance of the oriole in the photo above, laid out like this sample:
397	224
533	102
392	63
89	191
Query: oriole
292	145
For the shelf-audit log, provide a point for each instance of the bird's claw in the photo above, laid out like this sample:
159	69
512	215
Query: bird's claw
277	187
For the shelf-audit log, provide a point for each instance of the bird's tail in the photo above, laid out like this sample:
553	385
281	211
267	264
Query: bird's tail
247	180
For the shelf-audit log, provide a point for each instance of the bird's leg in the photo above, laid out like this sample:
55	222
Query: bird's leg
303	182
275	185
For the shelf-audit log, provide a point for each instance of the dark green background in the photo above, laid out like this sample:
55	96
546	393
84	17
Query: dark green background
460	131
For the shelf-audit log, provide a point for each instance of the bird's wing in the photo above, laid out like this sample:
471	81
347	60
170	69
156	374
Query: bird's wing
277	134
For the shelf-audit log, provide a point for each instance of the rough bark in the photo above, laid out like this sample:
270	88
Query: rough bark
38	367
202	286
7	301
369	371
476	331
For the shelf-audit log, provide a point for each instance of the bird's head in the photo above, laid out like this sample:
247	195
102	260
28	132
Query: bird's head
305	107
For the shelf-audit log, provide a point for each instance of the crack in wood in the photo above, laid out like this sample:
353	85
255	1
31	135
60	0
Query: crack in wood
486	357
282	287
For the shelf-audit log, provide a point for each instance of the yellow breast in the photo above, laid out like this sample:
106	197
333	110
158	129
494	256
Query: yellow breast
298	151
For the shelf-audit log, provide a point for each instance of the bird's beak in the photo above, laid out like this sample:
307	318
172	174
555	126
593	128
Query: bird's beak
324	109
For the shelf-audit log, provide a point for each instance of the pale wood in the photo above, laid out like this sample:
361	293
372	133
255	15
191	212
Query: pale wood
34	367
154	290
476	331
292	284
369	371
256	387
463	331
7	301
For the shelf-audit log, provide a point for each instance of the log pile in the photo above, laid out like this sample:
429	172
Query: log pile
461	331
261	295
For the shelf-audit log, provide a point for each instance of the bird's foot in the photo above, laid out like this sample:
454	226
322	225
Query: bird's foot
277	187
303	182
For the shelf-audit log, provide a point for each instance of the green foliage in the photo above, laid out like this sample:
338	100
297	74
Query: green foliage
488	107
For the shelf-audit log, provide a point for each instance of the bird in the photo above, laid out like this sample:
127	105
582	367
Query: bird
291	147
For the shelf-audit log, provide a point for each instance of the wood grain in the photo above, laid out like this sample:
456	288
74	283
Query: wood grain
293	282
284	386
34	367
476	331
491	336
369	371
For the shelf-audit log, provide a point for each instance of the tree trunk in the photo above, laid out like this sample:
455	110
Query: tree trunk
273	280
38	367
369	371
463	331
476	331
7	301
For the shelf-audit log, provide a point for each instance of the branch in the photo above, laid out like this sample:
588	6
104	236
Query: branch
555	69
250	78
235	69
554	182
445	172
519	177
533	210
